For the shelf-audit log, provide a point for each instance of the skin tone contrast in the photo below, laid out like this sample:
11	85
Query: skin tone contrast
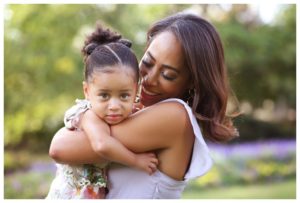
171	138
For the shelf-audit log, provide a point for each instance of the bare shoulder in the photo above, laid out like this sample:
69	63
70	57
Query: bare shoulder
155	127
170	108
166	114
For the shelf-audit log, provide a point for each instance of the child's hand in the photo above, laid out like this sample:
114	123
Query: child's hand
147	162
137	107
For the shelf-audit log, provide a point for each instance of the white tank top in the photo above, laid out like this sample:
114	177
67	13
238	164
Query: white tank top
129	183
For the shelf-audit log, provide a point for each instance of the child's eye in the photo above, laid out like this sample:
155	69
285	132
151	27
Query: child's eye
104	96
125	96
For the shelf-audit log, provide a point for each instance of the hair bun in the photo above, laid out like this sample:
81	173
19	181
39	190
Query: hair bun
90	48
126	42
100	36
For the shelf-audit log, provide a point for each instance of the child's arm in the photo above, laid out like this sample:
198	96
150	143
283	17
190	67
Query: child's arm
98	133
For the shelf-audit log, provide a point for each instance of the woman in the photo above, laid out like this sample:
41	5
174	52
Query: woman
184	60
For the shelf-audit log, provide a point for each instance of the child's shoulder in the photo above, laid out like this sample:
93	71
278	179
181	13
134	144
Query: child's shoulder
73	114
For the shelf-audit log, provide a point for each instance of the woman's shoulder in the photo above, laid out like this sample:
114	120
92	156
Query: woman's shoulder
174	109
168	115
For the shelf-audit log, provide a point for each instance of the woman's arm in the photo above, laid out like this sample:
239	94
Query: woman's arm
156	127
73	147
110	148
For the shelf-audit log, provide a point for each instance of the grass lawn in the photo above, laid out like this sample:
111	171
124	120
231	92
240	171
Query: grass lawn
277	190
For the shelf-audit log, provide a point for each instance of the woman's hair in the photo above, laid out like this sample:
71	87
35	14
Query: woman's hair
204	58
105	48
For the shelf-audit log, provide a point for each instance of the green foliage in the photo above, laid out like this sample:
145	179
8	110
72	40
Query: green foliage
236	173
43	63
262	58
31	185
279	190
250	164
251	129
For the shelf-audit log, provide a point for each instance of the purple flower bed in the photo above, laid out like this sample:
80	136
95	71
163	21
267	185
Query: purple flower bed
278	149
250	162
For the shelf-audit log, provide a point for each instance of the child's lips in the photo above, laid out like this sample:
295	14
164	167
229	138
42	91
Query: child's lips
114	116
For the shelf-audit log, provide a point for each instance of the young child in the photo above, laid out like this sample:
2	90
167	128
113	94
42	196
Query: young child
110	87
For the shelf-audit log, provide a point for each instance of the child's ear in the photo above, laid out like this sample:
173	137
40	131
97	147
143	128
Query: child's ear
85	86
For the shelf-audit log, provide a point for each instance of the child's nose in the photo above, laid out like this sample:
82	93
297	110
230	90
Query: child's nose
114	104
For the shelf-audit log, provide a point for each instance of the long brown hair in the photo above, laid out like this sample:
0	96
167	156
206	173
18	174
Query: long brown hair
204	58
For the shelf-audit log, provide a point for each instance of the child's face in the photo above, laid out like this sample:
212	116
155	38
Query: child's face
112	93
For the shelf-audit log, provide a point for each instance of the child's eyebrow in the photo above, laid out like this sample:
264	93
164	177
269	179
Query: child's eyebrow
108	90
104	90
126	90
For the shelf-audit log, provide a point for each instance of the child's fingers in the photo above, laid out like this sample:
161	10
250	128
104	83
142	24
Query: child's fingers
155	161
153	168
151	154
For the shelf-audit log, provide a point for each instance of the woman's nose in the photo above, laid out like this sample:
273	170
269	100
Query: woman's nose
151	78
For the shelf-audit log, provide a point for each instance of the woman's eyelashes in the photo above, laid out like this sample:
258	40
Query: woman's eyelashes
146	64
166	73
168	77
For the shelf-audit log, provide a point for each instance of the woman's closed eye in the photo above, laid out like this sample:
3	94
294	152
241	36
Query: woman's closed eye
169	74
168	77
146	63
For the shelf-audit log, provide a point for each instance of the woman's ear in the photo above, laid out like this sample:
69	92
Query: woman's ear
85	86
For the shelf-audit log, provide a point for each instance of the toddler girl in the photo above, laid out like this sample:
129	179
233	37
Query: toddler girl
110	87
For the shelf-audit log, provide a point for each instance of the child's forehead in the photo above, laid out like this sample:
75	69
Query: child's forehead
112	76
118	69
117	81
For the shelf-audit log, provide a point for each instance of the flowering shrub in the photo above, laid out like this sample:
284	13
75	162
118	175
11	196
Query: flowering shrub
251	162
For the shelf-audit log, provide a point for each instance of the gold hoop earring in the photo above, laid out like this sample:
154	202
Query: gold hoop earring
145	78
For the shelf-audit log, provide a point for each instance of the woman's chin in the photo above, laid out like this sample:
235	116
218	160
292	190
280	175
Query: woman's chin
147	102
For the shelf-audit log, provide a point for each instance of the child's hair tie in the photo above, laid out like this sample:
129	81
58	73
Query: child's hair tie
90	48
126	42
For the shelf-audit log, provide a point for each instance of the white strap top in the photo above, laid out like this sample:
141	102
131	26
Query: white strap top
129	183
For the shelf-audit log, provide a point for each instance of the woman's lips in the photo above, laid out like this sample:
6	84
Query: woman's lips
148	95
148	92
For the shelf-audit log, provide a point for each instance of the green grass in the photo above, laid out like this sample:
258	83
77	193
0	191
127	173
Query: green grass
29	185
277	190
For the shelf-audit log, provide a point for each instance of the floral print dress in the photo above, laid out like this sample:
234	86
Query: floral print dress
87	181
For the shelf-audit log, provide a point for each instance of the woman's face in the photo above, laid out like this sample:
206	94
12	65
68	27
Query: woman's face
162	69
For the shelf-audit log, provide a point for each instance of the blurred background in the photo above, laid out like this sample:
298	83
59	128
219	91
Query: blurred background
43	73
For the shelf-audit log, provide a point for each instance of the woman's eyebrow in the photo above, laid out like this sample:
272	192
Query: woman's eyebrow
164	65
151	56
